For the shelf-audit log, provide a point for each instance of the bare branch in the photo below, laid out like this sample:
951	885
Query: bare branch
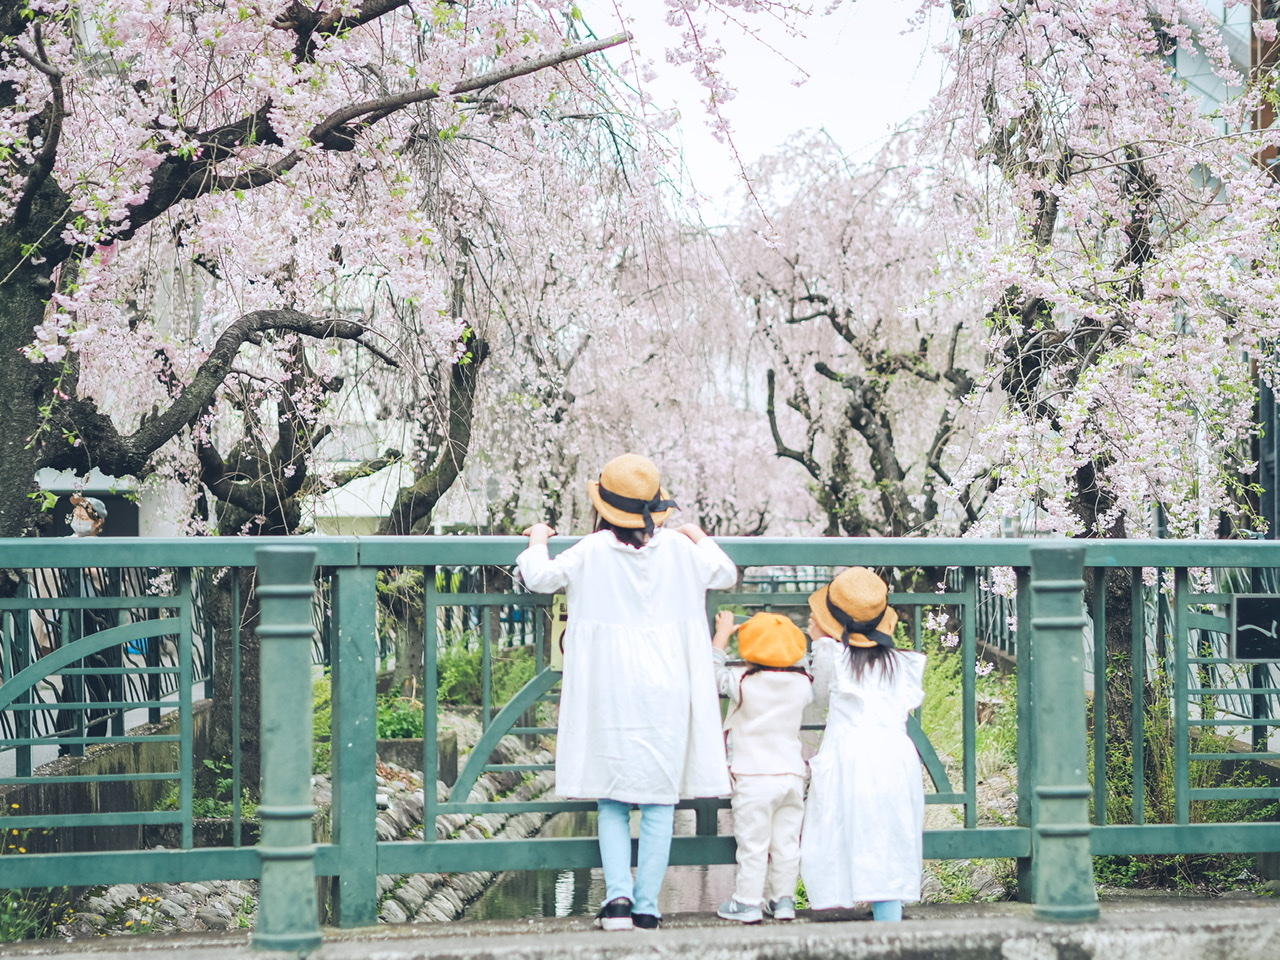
48	69
337	124
42	163
802	457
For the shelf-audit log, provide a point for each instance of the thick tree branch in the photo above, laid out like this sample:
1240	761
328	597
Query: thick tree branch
414	504
866	414
367	468
104	447
51	135
309	24
335	131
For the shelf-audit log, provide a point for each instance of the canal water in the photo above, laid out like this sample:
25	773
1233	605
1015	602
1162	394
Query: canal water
578	893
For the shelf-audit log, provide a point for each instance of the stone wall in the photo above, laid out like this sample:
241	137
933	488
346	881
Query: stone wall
54	796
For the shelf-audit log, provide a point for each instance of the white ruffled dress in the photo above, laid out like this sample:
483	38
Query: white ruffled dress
864	816
639	708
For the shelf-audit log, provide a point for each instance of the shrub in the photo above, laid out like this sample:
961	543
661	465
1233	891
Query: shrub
322	725
399	718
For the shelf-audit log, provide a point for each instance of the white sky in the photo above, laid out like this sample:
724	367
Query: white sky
867	74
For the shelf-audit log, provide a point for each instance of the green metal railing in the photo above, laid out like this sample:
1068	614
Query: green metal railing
1053	839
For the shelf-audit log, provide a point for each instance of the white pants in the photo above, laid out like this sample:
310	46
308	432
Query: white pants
768	812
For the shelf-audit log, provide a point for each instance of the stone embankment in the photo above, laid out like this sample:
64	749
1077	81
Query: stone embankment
130	909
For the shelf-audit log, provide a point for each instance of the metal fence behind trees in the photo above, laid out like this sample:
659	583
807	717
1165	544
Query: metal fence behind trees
1053	838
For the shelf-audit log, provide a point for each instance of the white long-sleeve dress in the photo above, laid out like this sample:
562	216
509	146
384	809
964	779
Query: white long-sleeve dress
639	709
864	817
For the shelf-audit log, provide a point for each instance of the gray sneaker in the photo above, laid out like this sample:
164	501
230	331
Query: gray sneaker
742	912
784	908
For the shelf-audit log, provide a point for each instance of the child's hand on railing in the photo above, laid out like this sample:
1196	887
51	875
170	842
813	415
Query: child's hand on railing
724	630
539	533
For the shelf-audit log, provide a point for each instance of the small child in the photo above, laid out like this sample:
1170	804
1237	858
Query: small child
639	719
762	733
864	824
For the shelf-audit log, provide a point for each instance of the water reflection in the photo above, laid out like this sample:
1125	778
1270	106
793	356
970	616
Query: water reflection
576	893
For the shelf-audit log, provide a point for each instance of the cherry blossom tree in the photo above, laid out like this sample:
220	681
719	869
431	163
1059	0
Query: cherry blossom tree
1124	246
641	354
272	148
1125	250
865	372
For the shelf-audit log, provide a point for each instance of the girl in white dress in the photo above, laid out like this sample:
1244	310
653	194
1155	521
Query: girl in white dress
639	708
864	817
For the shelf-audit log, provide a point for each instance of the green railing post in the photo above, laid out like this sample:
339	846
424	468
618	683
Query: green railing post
287	911
354	743
1062	867
1026	724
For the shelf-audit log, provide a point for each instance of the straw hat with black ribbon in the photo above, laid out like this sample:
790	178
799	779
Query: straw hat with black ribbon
855	608
629	493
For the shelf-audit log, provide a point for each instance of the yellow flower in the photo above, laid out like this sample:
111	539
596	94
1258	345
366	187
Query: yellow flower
15	806
13	833
128	923
22	849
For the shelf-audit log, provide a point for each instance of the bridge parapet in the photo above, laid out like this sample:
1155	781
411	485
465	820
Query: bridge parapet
1059	602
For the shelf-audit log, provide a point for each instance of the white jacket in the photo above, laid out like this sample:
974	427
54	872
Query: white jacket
762	727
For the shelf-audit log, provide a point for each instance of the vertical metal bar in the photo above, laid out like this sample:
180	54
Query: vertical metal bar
1259	676
1099	614
151	657
18	642
1138	653
115	682
1181	696
705	818
75	685
186	719
533	616
287	912
969	690
207	638
1062	875
430	703
354	742
486	666
1027	778
917	636
236	770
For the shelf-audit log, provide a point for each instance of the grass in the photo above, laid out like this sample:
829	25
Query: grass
29	913
996	746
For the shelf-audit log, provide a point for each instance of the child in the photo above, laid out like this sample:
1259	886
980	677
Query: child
762	731
639	718
864	821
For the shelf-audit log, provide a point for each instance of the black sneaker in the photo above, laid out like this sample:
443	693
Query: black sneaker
646	921
615	915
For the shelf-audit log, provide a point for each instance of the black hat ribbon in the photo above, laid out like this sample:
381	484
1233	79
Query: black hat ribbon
645	508
865	627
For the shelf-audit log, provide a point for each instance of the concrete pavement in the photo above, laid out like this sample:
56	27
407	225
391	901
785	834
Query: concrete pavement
1242	927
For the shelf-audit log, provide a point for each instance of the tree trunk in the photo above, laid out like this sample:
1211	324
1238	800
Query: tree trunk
226	606
23	390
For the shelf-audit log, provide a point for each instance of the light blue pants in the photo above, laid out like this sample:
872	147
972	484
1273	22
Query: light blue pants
886	910
657	821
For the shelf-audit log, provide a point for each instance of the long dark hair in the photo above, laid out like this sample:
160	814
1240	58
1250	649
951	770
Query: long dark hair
877	659
631	536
